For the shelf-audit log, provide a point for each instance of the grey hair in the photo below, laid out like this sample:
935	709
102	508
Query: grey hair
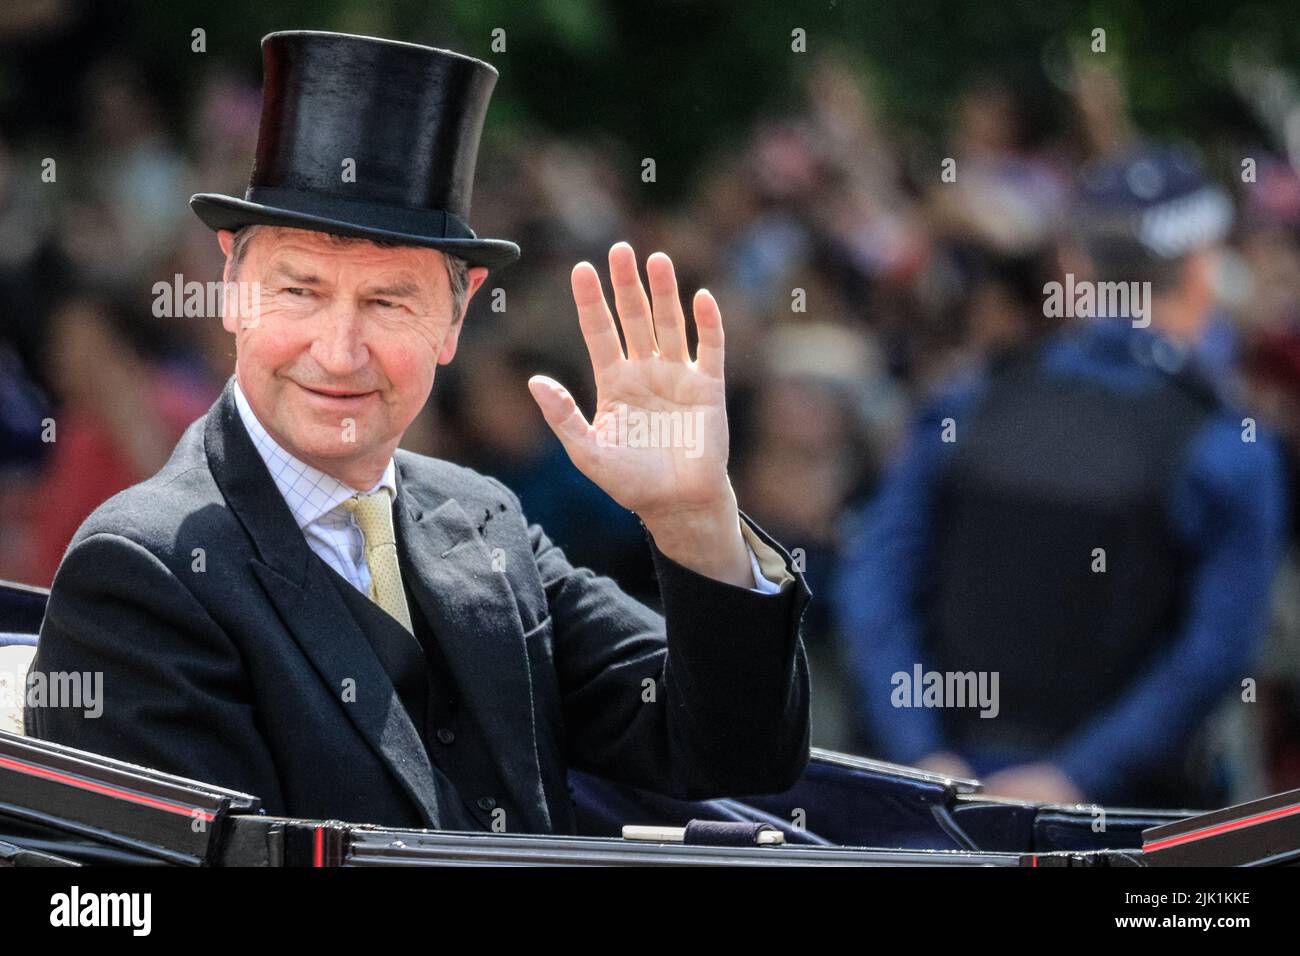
457	268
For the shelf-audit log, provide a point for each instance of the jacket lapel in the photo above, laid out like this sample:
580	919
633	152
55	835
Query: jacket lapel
472	610
312	610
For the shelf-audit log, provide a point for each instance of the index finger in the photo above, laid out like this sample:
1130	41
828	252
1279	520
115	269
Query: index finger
594	318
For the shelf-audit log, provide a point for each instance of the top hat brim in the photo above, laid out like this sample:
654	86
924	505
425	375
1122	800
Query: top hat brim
228	212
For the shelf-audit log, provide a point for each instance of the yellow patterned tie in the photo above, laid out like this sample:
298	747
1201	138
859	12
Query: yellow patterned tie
374	514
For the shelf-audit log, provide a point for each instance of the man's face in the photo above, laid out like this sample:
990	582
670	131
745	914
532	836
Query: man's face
342	355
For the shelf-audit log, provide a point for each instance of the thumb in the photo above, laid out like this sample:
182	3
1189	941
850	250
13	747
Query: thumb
560	411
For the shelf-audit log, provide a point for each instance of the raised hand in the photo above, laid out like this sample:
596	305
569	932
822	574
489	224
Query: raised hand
657	443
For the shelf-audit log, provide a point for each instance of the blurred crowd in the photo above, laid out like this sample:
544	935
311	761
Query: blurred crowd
855	279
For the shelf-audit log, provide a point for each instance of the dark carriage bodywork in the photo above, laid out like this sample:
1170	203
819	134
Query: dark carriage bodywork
62	806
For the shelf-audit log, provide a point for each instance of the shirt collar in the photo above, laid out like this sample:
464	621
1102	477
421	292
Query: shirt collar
310	493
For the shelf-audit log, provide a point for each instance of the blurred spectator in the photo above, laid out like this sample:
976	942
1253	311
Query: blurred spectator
821	418
132	178
1087	522
1268	747
119	415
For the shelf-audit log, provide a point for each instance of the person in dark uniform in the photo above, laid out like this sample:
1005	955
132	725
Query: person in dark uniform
1087	524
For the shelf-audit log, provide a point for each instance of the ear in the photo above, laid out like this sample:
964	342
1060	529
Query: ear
226	239
1202	269
449	343
1201	285
477	276
474	277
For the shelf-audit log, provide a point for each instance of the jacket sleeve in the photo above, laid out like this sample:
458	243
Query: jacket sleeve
710	699
150	657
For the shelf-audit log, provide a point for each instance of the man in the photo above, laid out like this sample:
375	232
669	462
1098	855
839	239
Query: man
1088	523
296	608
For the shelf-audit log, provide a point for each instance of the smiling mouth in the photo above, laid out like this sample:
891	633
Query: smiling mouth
338	396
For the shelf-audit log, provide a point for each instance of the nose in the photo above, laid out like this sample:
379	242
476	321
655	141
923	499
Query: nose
339	346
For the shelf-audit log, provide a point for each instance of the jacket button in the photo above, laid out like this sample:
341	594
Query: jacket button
445	736
486	803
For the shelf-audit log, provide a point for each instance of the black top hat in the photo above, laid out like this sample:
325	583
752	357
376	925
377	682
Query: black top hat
408	116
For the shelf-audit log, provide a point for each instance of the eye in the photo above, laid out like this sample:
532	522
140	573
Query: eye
386	304
295	290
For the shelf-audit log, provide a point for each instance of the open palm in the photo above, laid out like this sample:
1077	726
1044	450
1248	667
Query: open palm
657	442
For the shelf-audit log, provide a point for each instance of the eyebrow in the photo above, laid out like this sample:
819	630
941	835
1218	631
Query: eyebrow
306	278
400	288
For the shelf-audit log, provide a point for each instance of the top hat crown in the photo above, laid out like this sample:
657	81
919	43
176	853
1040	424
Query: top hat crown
366	137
